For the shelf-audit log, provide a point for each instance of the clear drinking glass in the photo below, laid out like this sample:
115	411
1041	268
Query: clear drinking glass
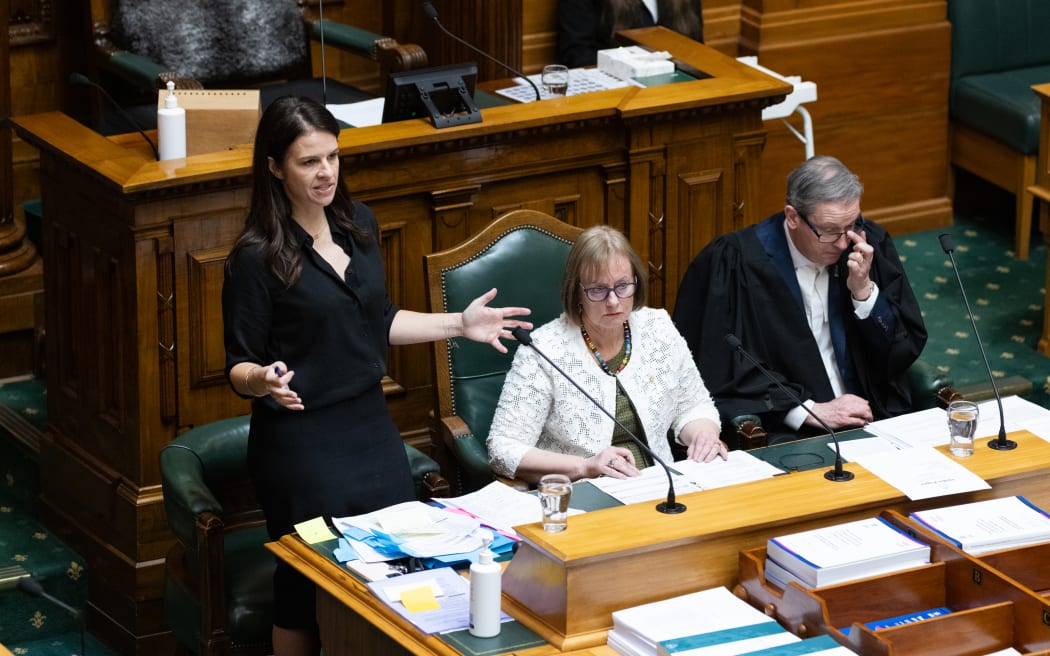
555	79
962	425
555	491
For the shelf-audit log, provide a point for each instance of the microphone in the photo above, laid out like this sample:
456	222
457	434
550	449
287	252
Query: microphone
1000	443
79	79
429	10
324	71
668	507
29	586
837	474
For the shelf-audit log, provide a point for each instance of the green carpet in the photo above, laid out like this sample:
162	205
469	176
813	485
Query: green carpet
1006	295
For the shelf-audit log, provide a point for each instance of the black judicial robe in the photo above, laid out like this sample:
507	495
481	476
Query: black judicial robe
744	283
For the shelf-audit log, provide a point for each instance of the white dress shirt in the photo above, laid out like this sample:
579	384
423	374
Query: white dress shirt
813	281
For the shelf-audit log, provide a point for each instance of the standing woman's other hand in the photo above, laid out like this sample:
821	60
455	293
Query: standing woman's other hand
489	325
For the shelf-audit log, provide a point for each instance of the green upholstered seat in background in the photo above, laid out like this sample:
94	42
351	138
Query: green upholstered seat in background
522	254
1000	48
218	575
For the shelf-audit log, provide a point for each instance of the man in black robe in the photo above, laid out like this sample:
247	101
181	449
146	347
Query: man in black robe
819	296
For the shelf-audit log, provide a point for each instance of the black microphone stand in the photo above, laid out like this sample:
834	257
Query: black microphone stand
429	10
837	474
668	507
31	587
1000	443
78	78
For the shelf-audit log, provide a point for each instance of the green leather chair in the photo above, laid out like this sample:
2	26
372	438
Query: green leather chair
522	254
218	575
1000	48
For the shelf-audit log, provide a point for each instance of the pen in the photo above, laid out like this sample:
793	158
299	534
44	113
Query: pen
277	370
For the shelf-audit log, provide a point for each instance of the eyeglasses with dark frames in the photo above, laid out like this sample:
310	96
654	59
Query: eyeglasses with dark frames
831	237
600	294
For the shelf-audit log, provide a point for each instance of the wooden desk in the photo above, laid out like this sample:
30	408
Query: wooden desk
1041	190
565	586
136	248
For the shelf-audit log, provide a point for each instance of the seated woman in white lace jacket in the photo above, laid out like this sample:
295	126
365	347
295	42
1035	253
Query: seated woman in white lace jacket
630	358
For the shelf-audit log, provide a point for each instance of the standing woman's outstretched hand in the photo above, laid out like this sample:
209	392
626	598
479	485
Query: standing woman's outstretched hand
482	323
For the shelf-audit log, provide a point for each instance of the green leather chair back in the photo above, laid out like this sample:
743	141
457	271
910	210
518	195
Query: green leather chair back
523	255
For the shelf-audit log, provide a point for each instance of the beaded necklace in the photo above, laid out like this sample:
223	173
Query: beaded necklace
626	346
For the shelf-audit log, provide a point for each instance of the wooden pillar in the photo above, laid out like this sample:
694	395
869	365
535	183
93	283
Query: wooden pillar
16	252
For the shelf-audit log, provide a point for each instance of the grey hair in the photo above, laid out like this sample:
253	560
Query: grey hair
821	179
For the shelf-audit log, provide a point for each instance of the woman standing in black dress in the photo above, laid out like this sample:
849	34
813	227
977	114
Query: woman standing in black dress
307	326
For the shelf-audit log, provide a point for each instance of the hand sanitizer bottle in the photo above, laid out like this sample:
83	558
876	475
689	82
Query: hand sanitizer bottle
485	592
171	127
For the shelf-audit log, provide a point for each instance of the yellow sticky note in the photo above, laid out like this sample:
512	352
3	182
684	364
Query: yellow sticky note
419	598
314	530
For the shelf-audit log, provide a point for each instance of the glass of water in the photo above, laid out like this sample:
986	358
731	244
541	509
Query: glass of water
555	79
962	426
554	491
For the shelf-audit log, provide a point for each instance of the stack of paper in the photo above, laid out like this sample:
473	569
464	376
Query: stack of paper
707	622
842	552
991	525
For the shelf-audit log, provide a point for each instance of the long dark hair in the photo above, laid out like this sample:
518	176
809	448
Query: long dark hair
270	214
675	14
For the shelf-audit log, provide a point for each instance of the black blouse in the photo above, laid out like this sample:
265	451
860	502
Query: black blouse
331	330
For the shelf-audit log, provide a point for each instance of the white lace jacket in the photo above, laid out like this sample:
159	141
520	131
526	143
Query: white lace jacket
539	408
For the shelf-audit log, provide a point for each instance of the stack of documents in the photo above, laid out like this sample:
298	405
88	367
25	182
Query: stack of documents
688	476
843	552
991	525
708	622
428	535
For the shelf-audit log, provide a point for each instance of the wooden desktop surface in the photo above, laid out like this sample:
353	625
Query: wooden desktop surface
565	586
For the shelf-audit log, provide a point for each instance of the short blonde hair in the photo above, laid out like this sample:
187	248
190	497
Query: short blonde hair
592	252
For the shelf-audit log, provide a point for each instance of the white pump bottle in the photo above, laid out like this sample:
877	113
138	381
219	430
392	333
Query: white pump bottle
171	127
486	592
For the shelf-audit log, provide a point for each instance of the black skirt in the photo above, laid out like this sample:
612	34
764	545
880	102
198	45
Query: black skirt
339	460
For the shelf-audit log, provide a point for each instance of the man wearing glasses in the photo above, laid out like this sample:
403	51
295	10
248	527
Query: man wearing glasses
820	297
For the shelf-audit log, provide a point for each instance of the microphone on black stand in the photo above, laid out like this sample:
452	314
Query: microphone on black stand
1000	443
29	586
429	10
77	78
668	507
838	474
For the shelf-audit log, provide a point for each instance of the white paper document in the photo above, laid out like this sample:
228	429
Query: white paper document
650	486
922	473
989	525
713	621
499	506
418	529
359	114
930	427
738	467
855	450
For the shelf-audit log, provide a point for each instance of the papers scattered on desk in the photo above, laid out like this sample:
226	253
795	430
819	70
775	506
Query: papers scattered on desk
843	552
430	536
922	473
498	506
581	80
708	622
650	486
990	525
435	601
688	476
930	427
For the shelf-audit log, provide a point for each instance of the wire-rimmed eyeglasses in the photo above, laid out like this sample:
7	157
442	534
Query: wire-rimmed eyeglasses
600	294
831	237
